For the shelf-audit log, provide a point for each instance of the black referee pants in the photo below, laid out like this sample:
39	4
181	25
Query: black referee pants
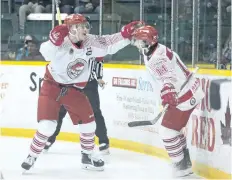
91	91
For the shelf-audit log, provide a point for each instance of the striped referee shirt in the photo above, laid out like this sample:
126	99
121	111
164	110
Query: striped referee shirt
96	67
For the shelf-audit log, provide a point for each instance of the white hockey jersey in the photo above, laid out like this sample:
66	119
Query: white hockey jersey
70	64
165	66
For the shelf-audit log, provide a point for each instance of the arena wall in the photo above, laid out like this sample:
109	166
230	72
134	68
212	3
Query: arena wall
130	95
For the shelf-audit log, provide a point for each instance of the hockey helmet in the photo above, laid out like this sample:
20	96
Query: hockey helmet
77	19
144	37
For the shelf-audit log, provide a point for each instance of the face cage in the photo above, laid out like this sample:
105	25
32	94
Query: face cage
81	25
138	43
142	45
84	25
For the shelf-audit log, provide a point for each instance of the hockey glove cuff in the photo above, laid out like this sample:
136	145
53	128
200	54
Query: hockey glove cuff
169	95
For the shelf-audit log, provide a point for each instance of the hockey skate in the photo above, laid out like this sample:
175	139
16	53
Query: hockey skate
28	163
92	162
181	168
104	149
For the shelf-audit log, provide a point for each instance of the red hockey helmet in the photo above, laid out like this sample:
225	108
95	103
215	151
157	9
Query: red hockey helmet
73	19
146	33
77	19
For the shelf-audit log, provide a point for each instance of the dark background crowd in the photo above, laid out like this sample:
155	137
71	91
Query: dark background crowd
26	23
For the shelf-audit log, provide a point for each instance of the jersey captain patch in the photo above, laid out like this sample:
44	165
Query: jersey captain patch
75	68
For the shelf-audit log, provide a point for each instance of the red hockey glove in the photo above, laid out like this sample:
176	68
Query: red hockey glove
169	95
128	29
58	34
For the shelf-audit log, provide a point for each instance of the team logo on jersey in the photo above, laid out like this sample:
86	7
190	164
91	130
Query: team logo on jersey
192	101
75	68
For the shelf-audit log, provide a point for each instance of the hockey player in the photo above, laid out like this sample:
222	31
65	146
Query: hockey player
70	48
91	91
167	68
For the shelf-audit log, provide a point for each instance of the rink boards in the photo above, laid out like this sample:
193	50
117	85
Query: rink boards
131	94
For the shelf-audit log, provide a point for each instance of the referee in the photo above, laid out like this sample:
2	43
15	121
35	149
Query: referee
91	91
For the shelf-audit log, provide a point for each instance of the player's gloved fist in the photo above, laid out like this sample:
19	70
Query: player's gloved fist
169	95
128	29
58	33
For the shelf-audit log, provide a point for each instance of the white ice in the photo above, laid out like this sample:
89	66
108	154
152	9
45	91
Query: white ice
63	162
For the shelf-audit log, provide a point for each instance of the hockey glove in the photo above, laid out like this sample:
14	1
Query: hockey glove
58	33
128	29
169	95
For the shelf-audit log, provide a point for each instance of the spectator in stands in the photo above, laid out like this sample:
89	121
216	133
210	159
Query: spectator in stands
66	6
226	51
17	4
31	6
209	52
228	9
30	50
226	54
152	6
87	6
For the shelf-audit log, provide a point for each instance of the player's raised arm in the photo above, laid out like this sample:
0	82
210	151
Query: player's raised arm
110	44
56	38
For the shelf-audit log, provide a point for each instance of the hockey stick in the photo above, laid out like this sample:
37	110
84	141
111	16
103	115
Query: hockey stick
152	122
58	12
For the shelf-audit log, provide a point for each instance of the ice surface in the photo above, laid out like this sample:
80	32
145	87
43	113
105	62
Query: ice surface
63	162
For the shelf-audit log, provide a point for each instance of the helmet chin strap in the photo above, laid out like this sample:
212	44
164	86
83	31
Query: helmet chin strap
150	49
142	46
145	50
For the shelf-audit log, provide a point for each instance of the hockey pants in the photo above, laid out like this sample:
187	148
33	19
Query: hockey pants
91	91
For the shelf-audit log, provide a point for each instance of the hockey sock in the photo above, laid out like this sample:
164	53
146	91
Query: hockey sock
183	141
45	130
172	143
87	133
38	144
